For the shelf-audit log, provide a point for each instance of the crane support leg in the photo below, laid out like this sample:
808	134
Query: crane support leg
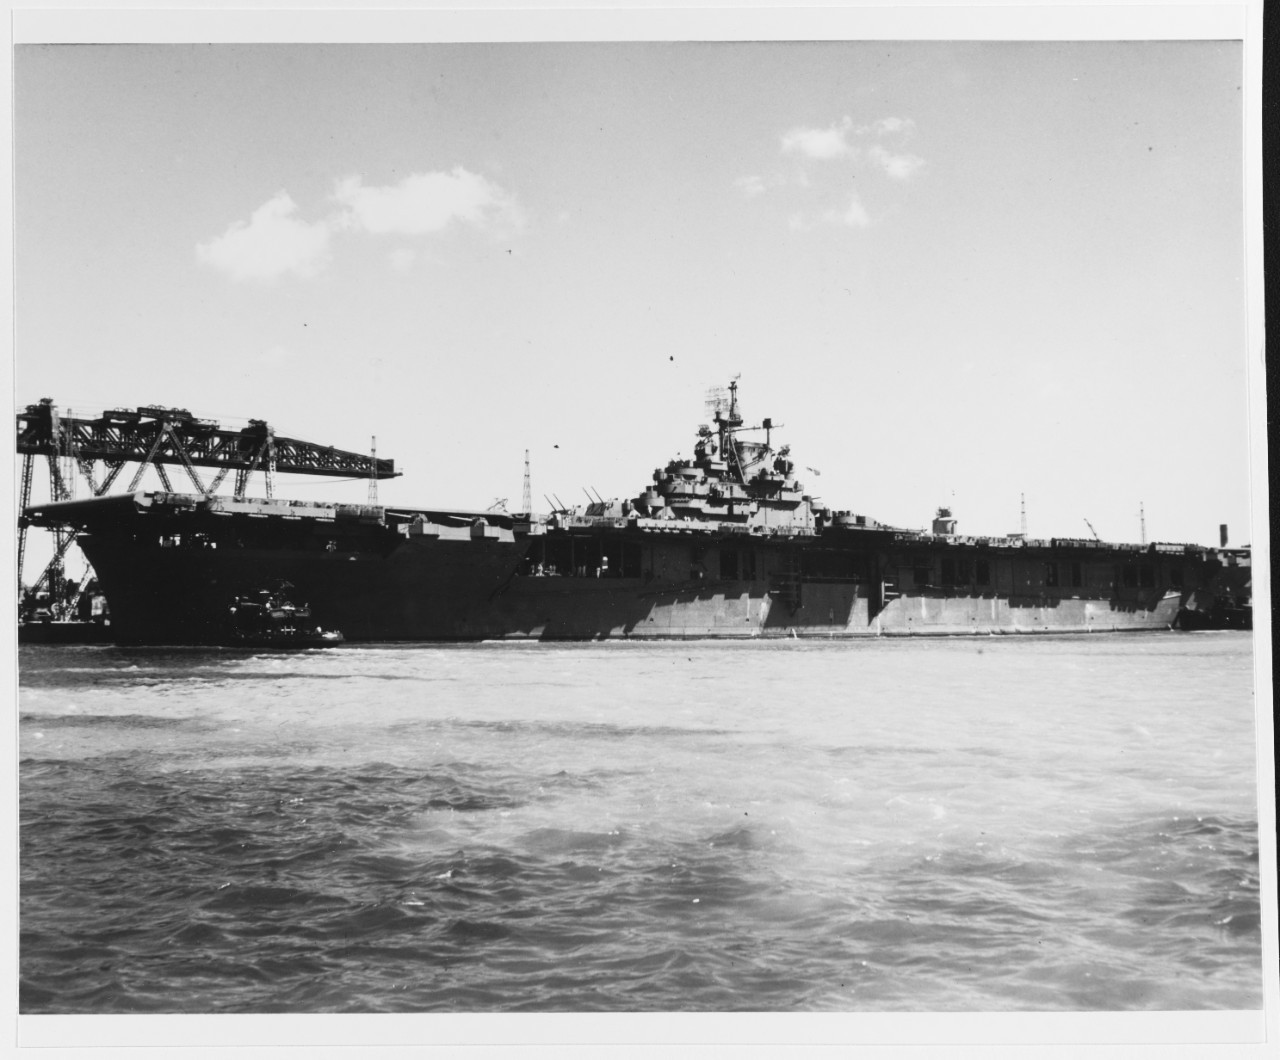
114	467
242	475
86	469
28	466
64	543
74	601
57	485
185	457
146	461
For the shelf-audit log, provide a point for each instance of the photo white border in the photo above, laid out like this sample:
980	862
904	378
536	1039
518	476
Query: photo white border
1108	1034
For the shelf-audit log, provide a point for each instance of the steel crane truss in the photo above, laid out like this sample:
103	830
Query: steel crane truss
155	436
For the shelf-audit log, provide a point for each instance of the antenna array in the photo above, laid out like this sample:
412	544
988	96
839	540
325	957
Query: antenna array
717	400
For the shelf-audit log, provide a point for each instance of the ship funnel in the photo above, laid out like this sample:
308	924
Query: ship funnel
1222	535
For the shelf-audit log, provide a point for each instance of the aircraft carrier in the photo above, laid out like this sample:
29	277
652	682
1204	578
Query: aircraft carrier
725	543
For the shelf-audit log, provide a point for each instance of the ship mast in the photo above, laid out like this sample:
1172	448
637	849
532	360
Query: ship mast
726	424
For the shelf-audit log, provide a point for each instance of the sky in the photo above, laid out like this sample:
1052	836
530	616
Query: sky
955	273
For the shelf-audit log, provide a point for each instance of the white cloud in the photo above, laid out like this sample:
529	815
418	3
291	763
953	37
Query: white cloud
889	126
425	202
900	167
274	242
875	147
853	216
820	144
270	244
841	141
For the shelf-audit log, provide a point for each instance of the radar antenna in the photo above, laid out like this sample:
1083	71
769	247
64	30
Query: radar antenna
722	406
717	401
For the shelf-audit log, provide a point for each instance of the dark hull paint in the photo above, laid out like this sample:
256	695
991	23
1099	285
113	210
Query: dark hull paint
1216	618
167	596
64	633
471	590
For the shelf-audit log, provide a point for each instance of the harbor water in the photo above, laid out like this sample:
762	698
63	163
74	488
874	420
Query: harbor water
975	824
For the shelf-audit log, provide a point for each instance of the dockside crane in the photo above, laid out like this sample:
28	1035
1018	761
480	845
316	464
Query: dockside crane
153	436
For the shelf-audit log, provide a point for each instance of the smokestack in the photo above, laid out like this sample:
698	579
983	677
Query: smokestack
1222	535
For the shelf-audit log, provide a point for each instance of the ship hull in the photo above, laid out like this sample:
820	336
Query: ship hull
432	592
746	611
723	545
475	590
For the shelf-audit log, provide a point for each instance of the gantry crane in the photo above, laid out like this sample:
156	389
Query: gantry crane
156	436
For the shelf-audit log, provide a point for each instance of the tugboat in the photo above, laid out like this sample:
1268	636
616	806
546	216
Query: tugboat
266	618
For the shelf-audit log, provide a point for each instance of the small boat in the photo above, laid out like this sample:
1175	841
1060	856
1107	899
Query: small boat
266	618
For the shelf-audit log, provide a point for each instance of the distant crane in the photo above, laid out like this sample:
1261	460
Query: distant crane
1092	531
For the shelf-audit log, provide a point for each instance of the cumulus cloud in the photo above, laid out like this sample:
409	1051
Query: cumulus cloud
900	167
853	216
425	202
890	126
868	149
819	144
272	243
844	140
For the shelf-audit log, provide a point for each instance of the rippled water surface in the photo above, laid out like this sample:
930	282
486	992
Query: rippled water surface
978	824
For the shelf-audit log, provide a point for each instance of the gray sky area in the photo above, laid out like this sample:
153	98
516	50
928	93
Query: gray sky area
955	272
